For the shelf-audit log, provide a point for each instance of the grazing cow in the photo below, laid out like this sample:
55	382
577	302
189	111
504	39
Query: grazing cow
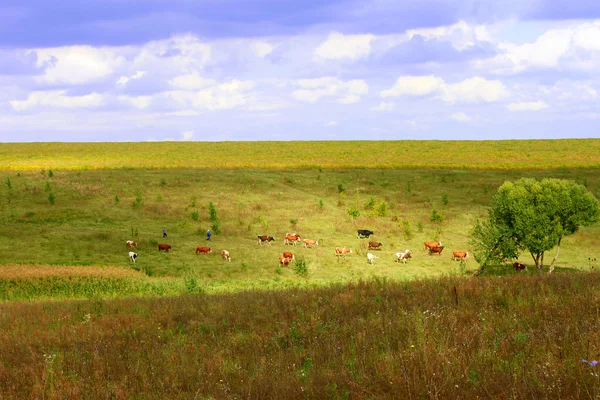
131	243
164	247
132	256
291	238
371	258
288	254
460	255
429	245
310	243
342	251
225	255
284	261
265	238
436	250
518	266
404	256
365	233
203	250
374	246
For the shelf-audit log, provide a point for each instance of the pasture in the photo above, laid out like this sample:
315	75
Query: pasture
93	213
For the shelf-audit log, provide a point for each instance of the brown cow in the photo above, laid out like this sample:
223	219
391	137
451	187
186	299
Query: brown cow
203	250
288	254
284	261
436	250
518	266
342	251
310	243
164	247
131	243
374	246
404	256
429	245
460	255
265	238
291	238
225	255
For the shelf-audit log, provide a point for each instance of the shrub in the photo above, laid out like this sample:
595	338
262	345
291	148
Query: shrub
300	267
293	221
212	212
420	227
116	200
48	187
163	182
50	174
435	216
408	190
381	209
195	215
139	200
341	188
407	229
216	227
8	183
370	204
445	199
354	213
320	204
51	198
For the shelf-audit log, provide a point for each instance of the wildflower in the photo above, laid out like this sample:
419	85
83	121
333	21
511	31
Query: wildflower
590	363
412	346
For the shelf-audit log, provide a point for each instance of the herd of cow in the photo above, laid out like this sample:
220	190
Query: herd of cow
294	238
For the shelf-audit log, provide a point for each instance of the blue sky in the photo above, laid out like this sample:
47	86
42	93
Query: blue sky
138	70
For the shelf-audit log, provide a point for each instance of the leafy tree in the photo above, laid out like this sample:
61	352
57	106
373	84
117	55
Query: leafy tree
532	216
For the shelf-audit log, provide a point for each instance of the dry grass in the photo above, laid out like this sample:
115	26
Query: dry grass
496	338
18	271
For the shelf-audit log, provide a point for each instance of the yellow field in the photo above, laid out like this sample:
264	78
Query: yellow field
510	154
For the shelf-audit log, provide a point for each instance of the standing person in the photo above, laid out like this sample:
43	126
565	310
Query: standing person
164	233
208	234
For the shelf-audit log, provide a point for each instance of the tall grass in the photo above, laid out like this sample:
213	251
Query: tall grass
511	337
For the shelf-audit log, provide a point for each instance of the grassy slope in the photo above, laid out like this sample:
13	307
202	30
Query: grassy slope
510	154
86	227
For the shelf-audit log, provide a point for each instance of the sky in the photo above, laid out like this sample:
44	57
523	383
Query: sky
237	70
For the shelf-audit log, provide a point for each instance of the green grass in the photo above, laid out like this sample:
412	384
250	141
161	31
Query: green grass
86	227
496	338
509	154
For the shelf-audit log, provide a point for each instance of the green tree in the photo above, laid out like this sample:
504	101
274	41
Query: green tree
532	216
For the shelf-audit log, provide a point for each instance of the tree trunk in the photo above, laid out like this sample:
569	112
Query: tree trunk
555	257
536	259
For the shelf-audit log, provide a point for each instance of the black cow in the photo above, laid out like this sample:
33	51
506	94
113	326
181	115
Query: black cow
365	233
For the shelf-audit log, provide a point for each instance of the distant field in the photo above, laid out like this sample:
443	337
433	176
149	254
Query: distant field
510	154
95	212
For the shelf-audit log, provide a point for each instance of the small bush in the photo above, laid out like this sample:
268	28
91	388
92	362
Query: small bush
381	208
370	204
212	212
445	199
163	182
485	190
320	204
216	227
195	215
408	189
293	221
48	187
116	200
300	267
51	198
435	216
139	200
50	174
420	227
341	188
354	213
407	229
8	183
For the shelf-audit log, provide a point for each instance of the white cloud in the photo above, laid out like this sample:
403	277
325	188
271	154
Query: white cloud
460	34
174	56
191	82
124	79
331	124
461	117
187	135
576	47
339	47
414	86
262	49
384	107
527	106
57	98
140	102
347	92
474	90
75	65
471	90
225	96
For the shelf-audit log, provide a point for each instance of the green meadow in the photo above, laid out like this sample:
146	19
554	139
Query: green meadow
79	320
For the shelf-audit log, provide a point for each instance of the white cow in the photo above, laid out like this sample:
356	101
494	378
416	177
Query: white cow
225	255
371	258
404	256
132	256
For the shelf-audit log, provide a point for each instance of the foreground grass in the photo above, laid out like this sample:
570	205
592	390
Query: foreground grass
506	154
511	337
